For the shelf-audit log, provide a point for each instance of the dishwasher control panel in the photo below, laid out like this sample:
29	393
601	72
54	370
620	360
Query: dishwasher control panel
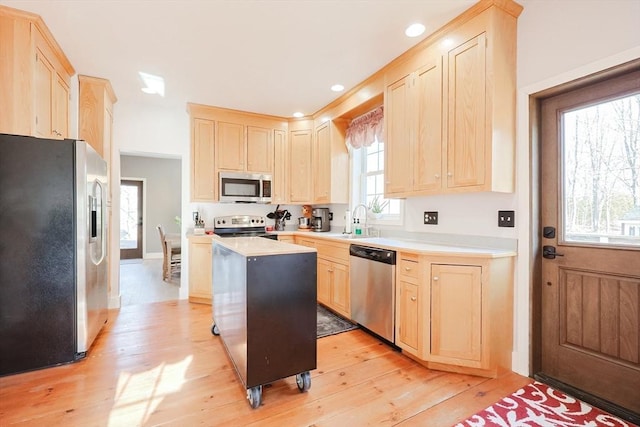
374	254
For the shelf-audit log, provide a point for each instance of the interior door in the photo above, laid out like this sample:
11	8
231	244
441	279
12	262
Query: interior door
590	221
130	219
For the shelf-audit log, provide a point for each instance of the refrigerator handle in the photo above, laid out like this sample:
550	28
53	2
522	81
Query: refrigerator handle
93	203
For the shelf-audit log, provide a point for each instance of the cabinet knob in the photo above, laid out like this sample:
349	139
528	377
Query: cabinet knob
437	176
449	174
435	278
413	298
407	268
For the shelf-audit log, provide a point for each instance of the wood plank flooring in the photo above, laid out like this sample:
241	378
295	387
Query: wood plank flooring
158	364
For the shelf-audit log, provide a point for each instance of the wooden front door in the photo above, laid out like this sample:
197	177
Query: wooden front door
590	220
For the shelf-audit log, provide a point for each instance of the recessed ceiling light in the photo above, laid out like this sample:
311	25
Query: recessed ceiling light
337	88
298	114
414	30
154	84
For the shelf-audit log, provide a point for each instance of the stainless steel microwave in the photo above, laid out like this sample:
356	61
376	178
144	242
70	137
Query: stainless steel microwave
237	187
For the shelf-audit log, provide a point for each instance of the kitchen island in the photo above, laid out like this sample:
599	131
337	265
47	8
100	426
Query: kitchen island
264	309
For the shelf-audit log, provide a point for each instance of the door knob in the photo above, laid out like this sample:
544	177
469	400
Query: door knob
549	252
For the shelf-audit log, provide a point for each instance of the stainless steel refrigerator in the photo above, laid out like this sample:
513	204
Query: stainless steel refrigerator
53	251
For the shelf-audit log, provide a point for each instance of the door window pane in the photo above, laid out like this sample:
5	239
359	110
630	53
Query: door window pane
128	217
601	173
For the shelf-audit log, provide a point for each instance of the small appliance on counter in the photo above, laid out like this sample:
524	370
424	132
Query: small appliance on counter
305	222
321	219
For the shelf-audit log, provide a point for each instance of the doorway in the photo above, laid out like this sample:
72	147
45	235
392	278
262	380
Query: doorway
587	291
131	219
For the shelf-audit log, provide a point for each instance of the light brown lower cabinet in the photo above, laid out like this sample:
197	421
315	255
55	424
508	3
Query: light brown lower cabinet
455	313
200	263
334	288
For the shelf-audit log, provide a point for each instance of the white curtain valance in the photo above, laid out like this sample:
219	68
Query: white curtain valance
363	130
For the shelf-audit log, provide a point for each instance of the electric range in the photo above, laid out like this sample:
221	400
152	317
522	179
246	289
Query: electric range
241	226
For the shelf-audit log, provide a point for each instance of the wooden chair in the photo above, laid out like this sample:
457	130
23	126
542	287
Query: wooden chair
171	254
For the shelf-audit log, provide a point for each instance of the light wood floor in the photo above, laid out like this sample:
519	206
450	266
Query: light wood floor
158	364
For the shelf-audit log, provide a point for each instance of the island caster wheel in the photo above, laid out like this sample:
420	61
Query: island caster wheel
214	330
254	394
303	381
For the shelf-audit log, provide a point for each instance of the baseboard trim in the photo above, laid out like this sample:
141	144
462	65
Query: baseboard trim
605	405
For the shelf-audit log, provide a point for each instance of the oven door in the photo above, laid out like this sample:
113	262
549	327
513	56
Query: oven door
244	188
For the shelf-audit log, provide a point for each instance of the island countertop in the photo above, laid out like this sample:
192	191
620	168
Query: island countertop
258	246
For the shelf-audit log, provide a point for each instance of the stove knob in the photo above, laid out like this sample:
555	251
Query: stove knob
224	222
253	220
262	220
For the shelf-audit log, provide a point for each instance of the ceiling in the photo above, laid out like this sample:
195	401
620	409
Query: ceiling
271	56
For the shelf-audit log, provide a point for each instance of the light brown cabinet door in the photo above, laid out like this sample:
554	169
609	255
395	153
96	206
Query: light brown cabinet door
61	109
279	185
341	291
230	146
408	320
203	178
325	277
259	150
200	262
45	76
398	150
301	178
428	143
456	321
322	164
466	139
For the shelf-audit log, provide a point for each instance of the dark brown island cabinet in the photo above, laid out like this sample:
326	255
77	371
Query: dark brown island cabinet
264	310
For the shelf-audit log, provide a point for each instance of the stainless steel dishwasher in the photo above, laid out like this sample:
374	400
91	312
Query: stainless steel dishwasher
373	289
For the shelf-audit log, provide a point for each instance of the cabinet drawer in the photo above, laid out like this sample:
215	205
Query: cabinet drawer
334	251
305	242
409	267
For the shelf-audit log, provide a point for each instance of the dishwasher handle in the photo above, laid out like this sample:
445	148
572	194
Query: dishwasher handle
384	256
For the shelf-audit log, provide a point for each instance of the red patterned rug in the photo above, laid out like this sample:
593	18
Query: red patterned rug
540	405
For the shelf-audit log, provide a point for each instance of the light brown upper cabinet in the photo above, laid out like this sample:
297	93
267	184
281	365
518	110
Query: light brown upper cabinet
280	163
330	163
450	109
244	148
203	180
300	162
95	114
36	77
230	140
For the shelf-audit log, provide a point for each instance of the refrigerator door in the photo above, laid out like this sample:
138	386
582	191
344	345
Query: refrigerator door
37	253
92	291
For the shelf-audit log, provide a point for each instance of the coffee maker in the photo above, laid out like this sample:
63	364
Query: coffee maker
320	218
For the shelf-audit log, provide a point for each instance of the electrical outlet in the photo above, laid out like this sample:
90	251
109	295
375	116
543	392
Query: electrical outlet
431	218
506	218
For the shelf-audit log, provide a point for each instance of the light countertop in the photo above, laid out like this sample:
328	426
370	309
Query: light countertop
259	246
416	246
400	244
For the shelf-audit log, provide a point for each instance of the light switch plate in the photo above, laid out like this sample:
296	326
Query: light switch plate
431	218
506	218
